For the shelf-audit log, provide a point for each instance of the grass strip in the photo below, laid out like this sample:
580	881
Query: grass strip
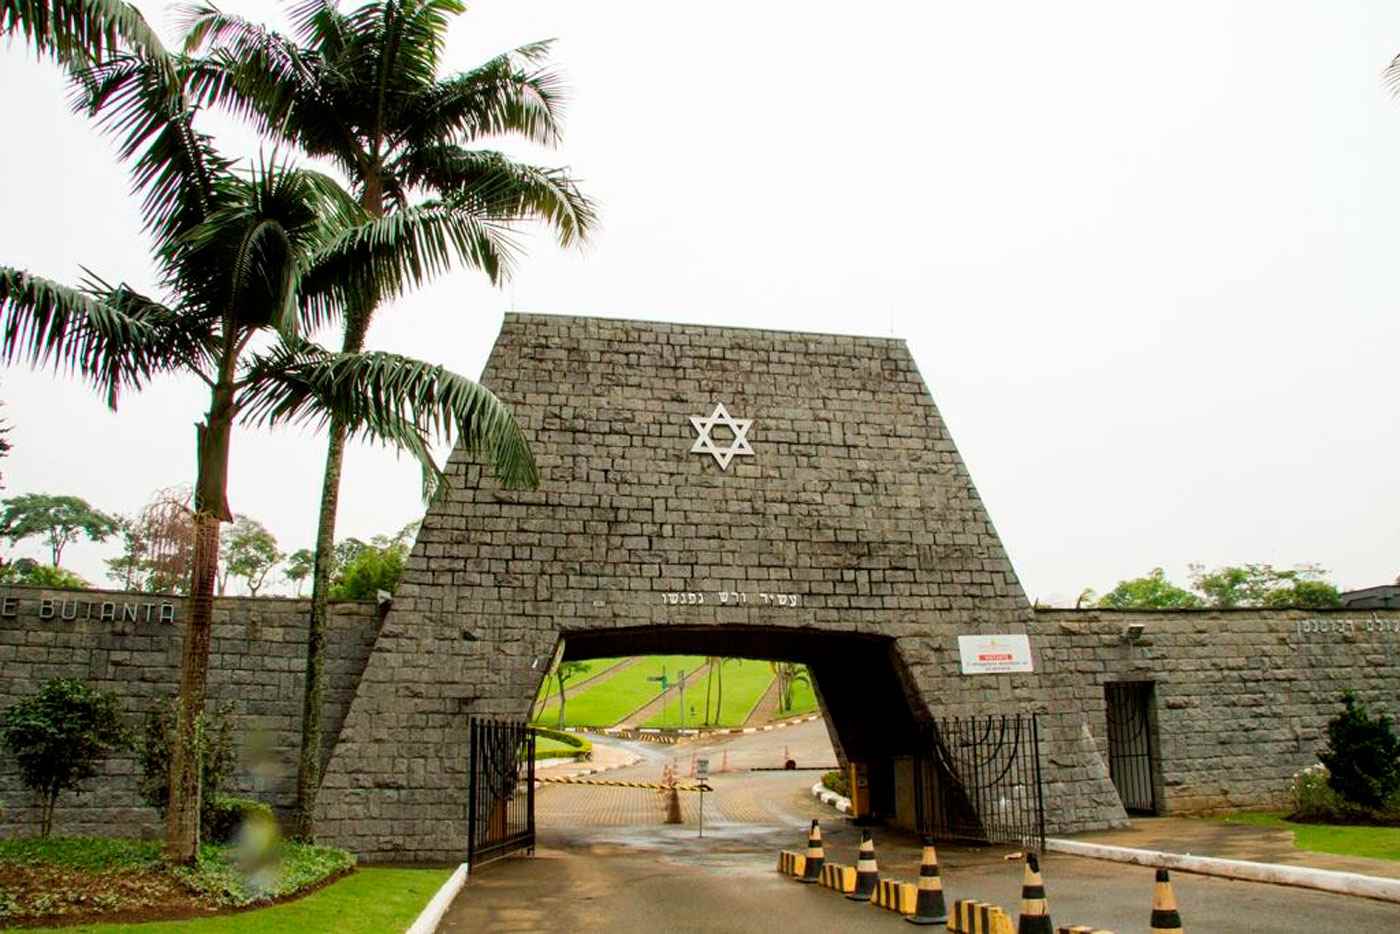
1337	839
606	702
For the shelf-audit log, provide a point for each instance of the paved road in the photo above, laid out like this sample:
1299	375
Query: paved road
607	863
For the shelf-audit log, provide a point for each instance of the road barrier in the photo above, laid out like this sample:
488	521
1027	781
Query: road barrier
1165	918
893	895
867	870
1035	908
970	916
930	907
838	878
605	783
791	864
815	854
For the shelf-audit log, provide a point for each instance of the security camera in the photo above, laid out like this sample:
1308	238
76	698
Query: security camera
1133	632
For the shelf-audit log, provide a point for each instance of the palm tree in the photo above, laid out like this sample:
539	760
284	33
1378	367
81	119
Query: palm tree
719	695
362	90
248	259
77	32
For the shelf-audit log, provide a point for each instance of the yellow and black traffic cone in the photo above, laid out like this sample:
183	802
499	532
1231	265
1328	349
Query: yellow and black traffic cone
1165	918
867	872
815	856
929	908
1035	910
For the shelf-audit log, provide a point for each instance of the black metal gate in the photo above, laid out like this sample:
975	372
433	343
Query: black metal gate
501	802
978	780
1130	760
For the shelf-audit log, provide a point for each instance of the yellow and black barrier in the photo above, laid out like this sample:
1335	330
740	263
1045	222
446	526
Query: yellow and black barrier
1165	918
790	863
893	895
838	878
970	916
652	786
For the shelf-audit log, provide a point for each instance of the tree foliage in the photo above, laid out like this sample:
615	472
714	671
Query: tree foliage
1152	592
30	573
58	736
1362	755
250	552
1263	585
298	567
789	674
59	520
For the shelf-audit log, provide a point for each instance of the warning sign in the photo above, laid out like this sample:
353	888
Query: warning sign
991	655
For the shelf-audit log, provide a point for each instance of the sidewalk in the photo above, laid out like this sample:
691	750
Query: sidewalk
1203	837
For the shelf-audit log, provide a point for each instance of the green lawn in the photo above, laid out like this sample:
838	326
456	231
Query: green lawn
547	748
370	901
1338	839
549	714
745	680
609	700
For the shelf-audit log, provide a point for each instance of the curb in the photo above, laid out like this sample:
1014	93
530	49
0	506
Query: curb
826	796
1326	880
431	916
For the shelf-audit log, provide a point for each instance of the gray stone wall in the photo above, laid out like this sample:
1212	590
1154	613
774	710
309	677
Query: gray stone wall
1241	697
258	656
855	501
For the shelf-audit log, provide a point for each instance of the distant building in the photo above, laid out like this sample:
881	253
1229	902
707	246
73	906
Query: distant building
1384	597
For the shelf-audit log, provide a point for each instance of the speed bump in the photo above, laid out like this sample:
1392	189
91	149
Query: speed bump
1083	929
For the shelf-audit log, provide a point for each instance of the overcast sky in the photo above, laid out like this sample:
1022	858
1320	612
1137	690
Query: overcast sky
1144	256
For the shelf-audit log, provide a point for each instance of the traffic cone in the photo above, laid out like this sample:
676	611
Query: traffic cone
1035	911
815	856
930	907
1165	918
867	872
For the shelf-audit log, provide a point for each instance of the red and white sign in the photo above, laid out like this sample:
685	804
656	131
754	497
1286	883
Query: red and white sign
992	655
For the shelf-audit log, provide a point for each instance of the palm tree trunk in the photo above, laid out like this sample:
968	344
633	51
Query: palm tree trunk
211	508
709	680
309	768
719	695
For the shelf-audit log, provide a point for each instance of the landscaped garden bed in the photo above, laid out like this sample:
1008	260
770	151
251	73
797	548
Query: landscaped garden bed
71	880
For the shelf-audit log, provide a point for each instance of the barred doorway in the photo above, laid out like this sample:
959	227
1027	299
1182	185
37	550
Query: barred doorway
501	797
1131	745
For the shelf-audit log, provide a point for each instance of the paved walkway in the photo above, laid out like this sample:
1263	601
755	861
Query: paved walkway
1199	837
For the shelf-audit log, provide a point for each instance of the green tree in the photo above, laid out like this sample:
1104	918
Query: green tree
298	567
158	544
250	551
1263	585
1362	755
58	736
372	569
362	89
563	673
1152	592
218	755
30	573
264	252
58	520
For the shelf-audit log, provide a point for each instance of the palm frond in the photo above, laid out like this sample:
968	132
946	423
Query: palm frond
385	397
505	95
112	337
499	187
388	256
79	31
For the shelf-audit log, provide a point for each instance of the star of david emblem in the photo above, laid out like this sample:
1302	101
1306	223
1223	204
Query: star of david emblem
704	444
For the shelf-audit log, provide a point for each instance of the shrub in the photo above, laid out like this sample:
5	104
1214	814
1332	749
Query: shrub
1313	798
837	781
1362	755
225	815
568	739
59	735
214	738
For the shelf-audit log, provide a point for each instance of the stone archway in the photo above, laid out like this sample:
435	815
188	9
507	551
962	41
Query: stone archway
697	483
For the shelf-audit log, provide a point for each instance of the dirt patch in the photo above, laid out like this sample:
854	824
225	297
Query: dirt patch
52	896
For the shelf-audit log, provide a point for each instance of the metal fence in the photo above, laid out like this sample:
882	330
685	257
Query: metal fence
978	780
1130	761
501	800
